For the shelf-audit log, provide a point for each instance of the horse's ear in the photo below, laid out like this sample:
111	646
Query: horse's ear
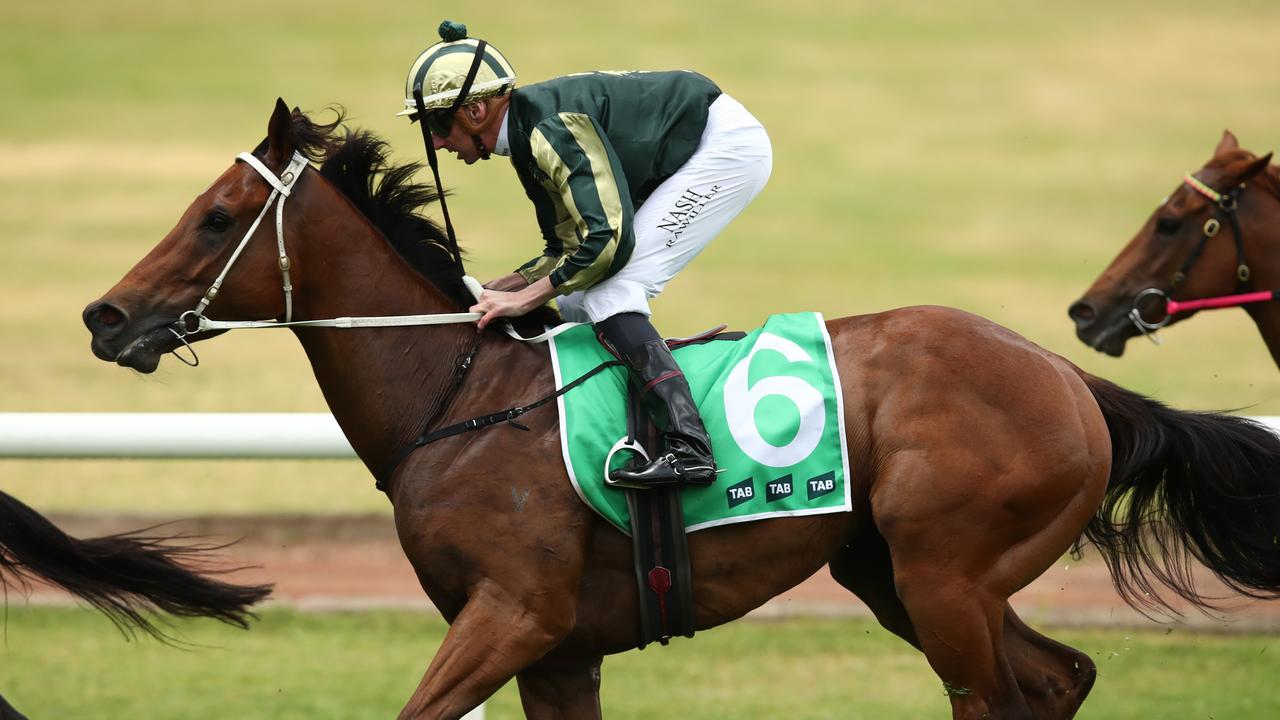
1227	143
280	133
1255	167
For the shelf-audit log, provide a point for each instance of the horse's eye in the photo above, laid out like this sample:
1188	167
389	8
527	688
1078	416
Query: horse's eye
1168	225
216	221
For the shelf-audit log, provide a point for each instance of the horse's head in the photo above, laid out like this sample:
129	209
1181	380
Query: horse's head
1191	247
223	250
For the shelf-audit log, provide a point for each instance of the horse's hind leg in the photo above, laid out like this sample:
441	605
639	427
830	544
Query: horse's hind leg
1053	678
561	690
865	569
963	541
956	625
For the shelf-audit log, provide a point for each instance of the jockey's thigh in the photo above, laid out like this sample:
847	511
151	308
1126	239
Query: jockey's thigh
726	172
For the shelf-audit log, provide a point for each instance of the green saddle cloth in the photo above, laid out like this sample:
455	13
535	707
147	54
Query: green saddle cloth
771	403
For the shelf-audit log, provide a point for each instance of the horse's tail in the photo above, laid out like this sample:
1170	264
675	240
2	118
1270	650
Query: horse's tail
126	576
1186	485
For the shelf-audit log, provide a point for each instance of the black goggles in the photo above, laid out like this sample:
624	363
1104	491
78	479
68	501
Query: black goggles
439	122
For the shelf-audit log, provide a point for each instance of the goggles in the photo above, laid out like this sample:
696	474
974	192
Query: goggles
439	122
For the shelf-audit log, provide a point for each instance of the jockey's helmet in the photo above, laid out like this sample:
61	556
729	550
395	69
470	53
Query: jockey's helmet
442	70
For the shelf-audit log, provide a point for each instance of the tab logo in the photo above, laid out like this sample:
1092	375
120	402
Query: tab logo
822	485
740	493
779	489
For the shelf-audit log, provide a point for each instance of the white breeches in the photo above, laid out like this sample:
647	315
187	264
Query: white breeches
726	172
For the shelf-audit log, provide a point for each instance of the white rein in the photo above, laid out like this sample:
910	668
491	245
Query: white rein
194	321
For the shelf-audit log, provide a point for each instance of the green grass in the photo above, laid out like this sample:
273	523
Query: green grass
71	664
991	155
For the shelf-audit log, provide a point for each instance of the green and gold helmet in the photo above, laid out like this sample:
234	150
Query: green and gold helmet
442	71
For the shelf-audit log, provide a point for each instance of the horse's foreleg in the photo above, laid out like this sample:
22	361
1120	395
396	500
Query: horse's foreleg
496	635
563	690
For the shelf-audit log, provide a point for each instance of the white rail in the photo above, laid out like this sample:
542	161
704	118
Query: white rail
172	435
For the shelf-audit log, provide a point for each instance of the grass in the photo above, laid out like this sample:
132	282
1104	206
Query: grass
70	663
993	157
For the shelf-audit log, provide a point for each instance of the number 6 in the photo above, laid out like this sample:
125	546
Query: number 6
741	399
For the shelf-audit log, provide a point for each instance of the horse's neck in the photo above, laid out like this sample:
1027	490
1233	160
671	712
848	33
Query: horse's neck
1267	317
380	383
1262	249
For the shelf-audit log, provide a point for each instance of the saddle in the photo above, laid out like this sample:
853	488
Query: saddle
660	549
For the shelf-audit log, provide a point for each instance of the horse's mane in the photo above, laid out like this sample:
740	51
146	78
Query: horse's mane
355	162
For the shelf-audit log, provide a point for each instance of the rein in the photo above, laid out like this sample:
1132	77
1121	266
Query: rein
1227	204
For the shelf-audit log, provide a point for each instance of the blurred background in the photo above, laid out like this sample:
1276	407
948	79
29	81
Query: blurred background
990	155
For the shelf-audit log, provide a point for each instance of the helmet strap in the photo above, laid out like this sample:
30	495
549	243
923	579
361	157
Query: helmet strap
480	146
465	90
432	160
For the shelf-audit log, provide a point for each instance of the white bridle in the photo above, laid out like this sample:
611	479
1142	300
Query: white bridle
282	187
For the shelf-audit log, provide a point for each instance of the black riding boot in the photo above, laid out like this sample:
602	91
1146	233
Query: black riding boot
686	456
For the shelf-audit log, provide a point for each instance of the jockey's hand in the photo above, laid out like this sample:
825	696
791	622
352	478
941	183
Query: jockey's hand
496	304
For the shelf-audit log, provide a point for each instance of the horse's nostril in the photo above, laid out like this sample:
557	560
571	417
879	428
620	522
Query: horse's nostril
104	317
110	316
1082	312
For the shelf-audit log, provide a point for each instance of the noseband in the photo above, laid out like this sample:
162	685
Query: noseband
1226	210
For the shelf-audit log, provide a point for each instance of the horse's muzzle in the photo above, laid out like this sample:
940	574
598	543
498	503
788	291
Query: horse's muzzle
134	344
1105	330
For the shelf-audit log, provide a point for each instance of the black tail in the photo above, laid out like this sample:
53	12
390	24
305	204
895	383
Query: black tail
1186	485
127	577
9	712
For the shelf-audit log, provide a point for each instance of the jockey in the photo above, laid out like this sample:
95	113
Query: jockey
631	175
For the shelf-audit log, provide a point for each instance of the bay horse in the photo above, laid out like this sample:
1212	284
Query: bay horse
976	458
128	577
1214	242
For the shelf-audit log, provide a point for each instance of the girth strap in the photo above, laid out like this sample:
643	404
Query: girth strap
477	423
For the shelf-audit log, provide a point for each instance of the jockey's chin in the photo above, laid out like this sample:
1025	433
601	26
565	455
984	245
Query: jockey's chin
465	154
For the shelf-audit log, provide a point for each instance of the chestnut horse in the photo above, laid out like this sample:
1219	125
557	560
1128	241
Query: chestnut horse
1214	242
127	577
976	458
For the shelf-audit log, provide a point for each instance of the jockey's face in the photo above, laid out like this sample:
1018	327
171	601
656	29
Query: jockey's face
459	140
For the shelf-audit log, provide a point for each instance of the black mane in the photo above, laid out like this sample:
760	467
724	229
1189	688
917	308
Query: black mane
355	162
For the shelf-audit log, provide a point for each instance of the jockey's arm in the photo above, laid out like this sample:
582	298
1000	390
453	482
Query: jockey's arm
584	207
